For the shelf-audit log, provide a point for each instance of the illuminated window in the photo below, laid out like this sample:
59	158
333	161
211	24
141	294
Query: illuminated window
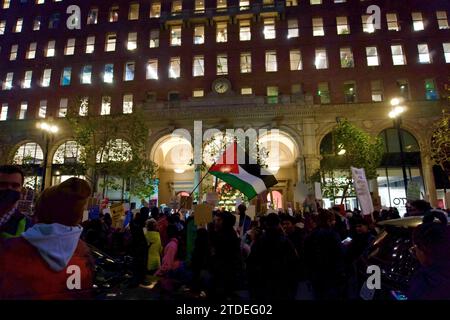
2	27
446	47
27	79
292	28
392	22
272	94
295	59
114	14
174	67
347	60
222	64
50	50
106	106
424	53
175	35
321	60
29	153
430	90
376	87
83	110
128	103
368	24
314	2
269	28
198	66
154	38
350	92
244	5
18	26
23	110
417	21
86	75
6	4
177	7
46	77
13	53
133	13
69	50
7	84
246	91
245	33
42	113
221	4
221	32
31	53
324	92
199	34
155	10
68	153
198	93
129	71
4	112
92	16
108	73
110	44
37	23
342	25
398	57
132	41
403	88
199	6
271	61
291	3
152	69
246	62
63	105
66	76
90	44
442	20
372	56
318	30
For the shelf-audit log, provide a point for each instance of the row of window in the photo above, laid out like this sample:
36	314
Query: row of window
221	65
323	93
269	30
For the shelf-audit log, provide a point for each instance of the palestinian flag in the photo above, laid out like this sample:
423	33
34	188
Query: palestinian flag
250	179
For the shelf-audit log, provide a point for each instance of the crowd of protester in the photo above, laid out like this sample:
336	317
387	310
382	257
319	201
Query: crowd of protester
283	255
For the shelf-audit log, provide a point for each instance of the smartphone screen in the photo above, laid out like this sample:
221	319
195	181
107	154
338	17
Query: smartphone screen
398	295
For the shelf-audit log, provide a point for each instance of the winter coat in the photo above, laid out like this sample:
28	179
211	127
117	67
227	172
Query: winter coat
154	250
43	264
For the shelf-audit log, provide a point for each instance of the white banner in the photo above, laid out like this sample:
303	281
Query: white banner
362	190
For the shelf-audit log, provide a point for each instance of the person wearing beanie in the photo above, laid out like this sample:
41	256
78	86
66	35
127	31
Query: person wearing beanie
49	261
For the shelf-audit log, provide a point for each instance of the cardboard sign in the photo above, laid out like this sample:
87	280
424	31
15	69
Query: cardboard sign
362	190
186	202
117	212
413	191
212	198
317	190
203	214
251	211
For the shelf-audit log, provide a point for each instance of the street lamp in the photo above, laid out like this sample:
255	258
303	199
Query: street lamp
396	116
49	130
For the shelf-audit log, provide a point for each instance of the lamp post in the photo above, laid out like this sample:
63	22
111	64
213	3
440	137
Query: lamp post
48	130
395	115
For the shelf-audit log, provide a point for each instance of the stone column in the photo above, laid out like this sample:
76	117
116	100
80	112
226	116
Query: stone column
428	177
198	175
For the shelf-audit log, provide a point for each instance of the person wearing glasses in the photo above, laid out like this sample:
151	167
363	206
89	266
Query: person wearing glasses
431	247
12	222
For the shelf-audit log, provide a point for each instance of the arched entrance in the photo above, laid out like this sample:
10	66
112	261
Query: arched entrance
30	156
173	155
66	162
390	179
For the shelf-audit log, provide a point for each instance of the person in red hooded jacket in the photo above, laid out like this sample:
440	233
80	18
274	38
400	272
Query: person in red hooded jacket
49	261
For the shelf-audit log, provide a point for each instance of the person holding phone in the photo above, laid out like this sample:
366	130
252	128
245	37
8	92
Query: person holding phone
432	249
12	222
